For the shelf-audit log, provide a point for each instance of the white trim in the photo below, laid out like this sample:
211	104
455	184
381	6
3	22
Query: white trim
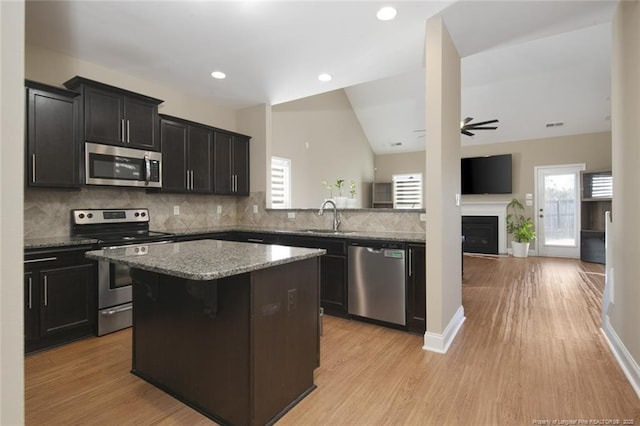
494	208
440	342
625	360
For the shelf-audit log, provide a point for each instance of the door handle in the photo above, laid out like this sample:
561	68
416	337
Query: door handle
147	165
33	168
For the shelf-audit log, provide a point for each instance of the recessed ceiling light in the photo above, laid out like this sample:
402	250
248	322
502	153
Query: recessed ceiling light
325	77
386	13
218	74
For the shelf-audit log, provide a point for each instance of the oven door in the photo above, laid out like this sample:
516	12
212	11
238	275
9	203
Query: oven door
114	284
112	165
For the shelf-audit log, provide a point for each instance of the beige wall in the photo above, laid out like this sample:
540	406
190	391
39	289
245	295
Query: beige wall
442	181
11	176
387	165
324	140
256	121
54	68
625	108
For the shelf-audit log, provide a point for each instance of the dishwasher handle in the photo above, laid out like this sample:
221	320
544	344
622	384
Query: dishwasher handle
374	250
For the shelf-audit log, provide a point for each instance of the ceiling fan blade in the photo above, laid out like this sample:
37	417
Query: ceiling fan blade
483	123
466	120
480	128
419	130
466	132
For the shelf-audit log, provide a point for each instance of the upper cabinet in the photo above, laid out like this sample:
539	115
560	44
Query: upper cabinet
114	116
187	151
52	140
231	163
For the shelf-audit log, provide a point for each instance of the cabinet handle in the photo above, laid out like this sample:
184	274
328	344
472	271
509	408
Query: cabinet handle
122	138
44	259
255	240
46	291
410	256
30	292
33	168
187	181
235	183
192	180
128	133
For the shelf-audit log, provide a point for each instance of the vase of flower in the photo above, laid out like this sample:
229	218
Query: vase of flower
352	202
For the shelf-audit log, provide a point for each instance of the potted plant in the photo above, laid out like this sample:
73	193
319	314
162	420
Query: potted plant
520	227
352	202
341	200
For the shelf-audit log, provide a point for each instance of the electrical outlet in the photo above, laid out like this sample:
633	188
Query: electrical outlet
423	217
219	209
291	215
292	299
255	209
176	210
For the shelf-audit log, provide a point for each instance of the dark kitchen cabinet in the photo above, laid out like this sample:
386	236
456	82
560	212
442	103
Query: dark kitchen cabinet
60	297
333	270
596	200
52	138
114	116
231	164
187	151
416	289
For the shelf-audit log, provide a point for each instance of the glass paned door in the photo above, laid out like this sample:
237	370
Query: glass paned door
558	211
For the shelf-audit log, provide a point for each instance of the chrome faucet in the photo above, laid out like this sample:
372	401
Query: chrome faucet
336	216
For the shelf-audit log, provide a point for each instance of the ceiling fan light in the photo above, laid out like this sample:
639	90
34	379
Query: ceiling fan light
386	13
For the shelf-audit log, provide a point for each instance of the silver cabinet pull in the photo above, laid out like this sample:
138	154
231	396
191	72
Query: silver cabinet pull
128	133
112	312
30	292
122	138
192	188
410	258
255	240
44	259
33	168
187	177
46	291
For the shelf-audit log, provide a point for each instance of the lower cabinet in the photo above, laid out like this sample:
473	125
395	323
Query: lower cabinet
60	297
416	289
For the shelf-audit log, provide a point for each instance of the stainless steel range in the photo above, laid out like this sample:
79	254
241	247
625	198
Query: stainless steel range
113	228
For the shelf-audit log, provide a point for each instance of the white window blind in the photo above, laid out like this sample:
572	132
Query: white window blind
407	191
280	183
602	186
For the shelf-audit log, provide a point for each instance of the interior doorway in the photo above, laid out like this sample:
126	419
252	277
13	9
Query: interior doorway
557	210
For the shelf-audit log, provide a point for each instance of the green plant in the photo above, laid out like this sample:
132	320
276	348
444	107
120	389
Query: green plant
339	185
518	225
352	189
329	187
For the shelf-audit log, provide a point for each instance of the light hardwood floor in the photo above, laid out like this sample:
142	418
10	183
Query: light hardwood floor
530	349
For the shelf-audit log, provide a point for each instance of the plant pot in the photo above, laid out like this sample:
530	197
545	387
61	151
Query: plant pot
519	249
352	203
341	202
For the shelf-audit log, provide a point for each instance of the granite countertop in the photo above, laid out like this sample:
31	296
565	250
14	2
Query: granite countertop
36	243
409	237
204	259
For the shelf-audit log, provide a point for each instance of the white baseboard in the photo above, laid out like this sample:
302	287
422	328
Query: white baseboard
627	363
440	343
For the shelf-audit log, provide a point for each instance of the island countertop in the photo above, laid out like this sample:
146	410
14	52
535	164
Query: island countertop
204	259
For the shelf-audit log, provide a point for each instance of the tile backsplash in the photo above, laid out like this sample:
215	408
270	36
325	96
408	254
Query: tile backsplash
47	212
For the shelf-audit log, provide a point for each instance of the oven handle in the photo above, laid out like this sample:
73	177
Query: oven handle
112	312
147	165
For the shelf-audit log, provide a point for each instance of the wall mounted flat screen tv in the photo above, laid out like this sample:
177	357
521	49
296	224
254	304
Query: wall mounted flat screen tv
486	175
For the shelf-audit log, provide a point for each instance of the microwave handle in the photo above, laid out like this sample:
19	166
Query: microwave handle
147	165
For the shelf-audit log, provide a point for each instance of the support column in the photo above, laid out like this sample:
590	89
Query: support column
445	314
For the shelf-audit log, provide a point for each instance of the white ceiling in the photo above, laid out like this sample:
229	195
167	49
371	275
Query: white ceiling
524	62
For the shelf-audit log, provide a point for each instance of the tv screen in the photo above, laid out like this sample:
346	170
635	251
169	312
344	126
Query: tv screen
486	175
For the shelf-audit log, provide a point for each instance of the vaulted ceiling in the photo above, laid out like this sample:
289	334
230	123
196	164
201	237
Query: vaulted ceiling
526	63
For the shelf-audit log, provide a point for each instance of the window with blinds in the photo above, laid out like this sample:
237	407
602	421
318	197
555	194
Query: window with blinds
407	191
280	183
597	185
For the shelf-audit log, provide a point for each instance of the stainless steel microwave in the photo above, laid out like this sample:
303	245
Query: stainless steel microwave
118	166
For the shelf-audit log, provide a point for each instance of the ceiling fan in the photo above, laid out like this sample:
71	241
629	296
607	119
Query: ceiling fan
466	125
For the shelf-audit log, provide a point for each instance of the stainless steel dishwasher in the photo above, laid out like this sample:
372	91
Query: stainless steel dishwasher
377	281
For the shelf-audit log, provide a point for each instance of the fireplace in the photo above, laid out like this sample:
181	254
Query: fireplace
493	209
480	234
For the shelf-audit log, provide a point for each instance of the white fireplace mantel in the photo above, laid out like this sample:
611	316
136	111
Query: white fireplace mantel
490	208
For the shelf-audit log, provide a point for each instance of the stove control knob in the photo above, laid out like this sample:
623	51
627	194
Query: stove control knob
89	215
136	214
143	214
81	215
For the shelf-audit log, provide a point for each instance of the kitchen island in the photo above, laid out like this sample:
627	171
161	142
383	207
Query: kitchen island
231	329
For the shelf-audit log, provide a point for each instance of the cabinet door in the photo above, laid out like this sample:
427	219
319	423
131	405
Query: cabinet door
31	307
333	284
52	140
140	124
174	156
240	167
103	117
200	159
222	163
68	298
416	289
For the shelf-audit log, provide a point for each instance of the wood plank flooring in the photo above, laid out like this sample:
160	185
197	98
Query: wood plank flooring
530	349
